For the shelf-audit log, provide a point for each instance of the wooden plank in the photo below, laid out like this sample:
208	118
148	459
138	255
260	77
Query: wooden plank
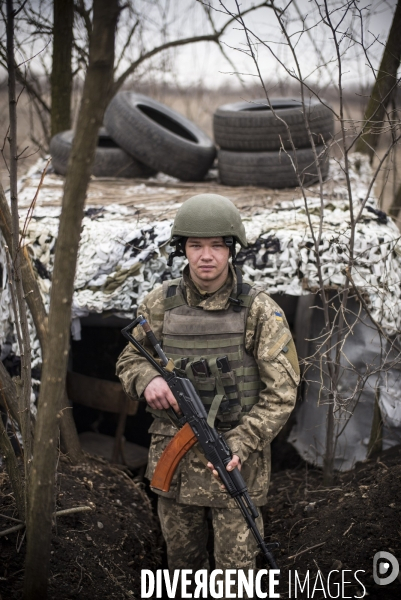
98	393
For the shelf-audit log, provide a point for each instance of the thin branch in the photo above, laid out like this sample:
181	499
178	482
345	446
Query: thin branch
85	14
366	307
206	8
23	80
13	470
12	529
306	550
126	44
70	511
180	42
32	205
59	513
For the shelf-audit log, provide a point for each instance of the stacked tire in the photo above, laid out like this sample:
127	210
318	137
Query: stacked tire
148	137
110	160
256	143
159	136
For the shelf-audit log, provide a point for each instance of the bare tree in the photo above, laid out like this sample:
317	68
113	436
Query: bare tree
15	395
61	76
20	315
344	26
140	42
96	90
396	205
384	87
32	35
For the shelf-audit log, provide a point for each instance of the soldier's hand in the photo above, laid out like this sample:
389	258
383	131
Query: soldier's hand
234	462
159	396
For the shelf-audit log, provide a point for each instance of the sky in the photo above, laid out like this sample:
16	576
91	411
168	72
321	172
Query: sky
205	63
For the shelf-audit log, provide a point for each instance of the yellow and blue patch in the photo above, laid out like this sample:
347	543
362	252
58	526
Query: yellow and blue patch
278	315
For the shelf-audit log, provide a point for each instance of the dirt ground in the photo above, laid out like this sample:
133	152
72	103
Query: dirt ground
99	554
337	528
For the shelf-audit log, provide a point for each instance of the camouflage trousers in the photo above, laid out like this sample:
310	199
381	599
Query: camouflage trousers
185	530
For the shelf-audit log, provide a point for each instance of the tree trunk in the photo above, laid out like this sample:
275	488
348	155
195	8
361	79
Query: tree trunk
8	395
34	300
328	459
375	445
69	435
385	85
61	77
97	85
396	205
31	289
14	269
13	471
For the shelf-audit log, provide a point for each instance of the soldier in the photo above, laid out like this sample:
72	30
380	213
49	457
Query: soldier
210	313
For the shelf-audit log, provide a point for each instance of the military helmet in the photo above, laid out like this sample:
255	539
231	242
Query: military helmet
209	215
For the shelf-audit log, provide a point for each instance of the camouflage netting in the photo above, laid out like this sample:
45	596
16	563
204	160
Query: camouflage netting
122	255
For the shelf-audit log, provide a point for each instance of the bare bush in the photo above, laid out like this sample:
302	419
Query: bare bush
349	301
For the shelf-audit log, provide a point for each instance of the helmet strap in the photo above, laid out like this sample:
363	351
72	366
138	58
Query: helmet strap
178	242
236	300
230	243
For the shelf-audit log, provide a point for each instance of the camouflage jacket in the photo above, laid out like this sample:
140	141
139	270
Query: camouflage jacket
250	440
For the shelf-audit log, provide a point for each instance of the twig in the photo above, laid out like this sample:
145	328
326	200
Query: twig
327	490
306	550
116	582
11	518
32	205
13	471
141	493
59	513
365	306
12	529
214	37
11	283
297	523
70	511
21	542
349	529
80	579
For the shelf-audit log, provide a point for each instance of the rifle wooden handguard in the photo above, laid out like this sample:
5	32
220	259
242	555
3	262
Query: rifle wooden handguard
172	454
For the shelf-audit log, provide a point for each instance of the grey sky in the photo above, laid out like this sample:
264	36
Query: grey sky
204	63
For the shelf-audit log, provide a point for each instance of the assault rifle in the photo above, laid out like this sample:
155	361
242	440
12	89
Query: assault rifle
193	427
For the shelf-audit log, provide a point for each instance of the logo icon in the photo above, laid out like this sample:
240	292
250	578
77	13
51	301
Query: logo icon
385	568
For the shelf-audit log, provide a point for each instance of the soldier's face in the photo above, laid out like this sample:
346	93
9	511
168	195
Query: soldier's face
208	261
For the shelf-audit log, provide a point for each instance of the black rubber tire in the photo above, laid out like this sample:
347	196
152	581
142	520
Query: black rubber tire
110	159
270	169
159	137
252	126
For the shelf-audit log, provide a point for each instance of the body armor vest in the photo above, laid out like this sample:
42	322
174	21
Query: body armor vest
198	339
